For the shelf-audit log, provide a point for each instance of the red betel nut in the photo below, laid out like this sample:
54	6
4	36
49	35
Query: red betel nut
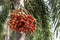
22	22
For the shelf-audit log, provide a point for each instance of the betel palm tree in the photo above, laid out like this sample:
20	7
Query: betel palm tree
39	10
18	35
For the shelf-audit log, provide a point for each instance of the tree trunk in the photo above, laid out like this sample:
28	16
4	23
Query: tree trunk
7	34
19	35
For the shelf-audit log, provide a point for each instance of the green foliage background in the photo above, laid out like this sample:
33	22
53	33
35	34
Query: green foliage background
41	12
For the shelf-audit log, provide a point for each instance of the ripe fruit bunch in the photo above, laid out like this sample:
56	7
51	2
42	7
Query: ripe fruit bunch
22	22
